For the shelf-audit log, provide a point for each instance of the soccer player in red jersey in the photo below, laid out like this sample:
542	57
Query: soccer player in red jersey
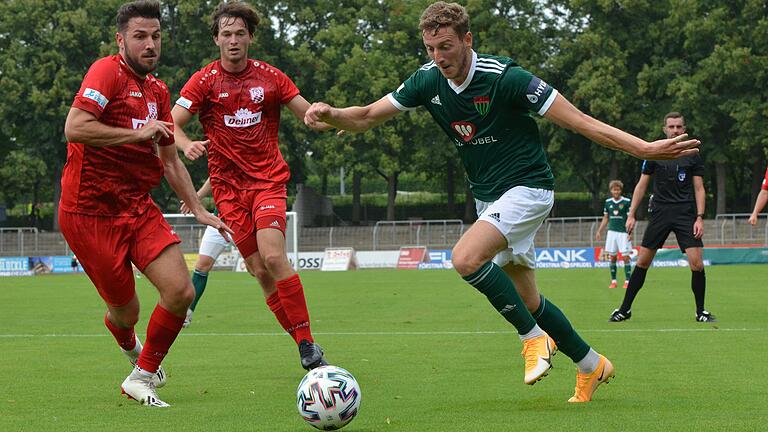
238	101
762	200
120	144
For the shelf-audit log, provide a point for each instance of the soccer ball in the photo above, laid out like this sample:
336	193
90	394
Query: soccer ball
328	397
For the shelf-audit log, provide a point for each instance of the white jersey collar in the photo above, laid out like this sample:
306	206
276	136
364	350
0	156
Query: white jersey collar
460	88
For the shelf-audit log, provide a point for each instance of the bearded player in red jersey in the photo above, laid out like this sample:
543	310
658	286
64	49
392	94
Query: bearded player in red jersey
238	101
120	144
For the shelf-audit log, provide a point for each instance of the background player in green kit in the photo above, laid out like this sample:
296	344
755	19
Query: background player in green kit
617	240
483	103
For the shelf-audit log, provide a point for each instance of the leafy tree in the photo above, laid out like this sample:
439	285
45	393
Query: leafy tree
46	47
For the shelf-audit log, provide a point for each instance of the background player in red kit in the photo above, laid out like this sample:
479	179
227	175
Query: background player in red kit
120	143
238	101
762	200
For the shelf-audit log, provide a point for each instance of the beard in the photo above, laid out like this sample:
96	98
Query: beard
137	66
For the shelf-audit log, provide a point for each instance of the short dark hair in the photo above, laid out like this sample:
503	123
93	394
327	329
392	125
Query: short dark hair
235	9
673	114
442	14
137	9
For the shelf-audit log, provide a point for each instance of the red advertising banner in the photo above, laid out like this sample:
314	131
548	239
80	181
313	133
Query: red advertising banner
411	256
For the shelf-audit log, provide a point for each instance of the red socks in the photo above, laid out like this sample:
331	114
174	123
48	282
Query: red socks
126	338
276	307
161	332
294	306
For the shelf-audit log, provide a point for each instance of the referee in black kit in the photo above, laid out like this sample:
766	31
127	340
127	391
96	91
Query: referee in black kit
677	205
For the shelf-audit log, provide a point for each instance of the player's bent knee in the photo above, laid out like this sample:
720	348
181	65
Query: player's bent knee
465	264
179	299
276	263
204	264
124	319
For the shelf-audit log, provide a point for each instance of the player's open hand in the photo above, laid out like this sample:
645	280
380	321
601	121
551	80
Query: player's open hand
630	225
155	130
597	236
698	228
753	219
671	148
316	114
207	218
196	149
184	208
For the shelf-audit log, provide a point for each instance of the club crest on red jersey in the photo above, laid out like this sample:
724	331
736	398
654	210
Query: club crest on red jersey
466	130
152	108
257	94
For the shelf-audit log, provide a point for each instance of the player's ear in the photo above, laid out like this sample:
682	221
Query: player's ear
119	40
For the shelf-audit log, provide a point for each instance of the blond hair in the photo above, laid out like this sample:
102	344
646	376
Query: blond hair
615	183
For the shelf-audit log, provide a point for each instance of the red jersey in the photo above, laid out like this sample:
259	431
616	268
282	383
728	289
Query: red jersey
240	114
116	180
765	181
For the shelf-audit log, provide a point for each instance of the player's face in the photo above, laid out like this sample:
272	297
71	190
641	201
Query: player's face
674	127
615	192
140	44
233	40
452	54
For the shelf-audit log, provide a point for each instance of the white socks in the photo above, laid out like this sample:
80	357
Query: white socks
589	363
536	331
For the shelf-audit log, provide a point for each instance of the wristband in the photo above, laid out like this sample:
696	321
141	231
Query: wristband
700	215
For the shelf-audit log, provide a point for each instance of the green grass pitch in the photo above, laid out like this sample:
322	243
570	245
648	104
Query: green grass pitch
428	350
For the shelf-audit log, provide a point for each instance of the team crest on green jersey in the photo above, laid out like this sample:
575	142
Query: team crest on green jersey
482	104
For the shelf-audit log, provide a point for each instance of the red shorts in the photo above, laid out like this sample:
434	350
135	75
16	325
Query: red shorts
106	246
247	211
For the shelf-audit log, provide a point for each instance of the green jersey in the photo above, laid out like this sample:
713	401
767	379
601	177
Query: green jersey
617	211
488	117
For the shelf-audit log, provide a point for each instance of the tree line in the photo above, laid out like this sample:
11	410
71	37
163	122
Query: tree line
624	62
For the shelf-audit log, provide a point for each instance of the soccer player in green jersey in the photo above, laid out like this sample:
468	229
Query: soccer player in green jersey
617	240
483	103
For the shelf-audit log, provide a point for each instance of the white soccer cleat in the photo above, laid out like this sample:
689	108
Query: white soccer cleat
538	353
188	318
159	377
141	388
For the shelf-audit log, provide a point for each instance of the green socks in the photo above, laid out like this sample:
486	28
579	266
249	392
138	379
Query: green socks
199	280
627	270
491	280
552	320
613	271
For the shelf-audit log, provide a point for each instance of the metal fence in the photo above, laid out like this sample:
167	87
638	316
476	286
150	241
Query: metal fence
728	229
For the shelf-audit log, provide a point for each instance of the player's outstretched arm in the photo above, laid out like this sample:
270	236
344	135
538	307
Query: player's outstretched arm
299	106
564	114
192	149
204	191
178	177
83	127
353	119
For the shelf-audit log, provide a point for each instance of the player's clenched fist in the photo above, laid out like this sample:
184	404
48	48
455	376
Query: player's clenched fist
196	149
318	112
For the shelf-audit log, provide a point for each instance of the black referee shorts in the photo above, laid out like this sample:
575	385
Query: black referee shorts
666	218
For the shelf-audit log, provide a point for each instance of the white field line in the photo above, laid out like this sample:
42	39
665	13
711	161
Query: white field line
395	333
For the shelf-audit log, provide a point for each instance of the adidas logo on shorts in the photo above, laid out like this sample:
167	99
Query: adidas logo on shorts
495	216
275	224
